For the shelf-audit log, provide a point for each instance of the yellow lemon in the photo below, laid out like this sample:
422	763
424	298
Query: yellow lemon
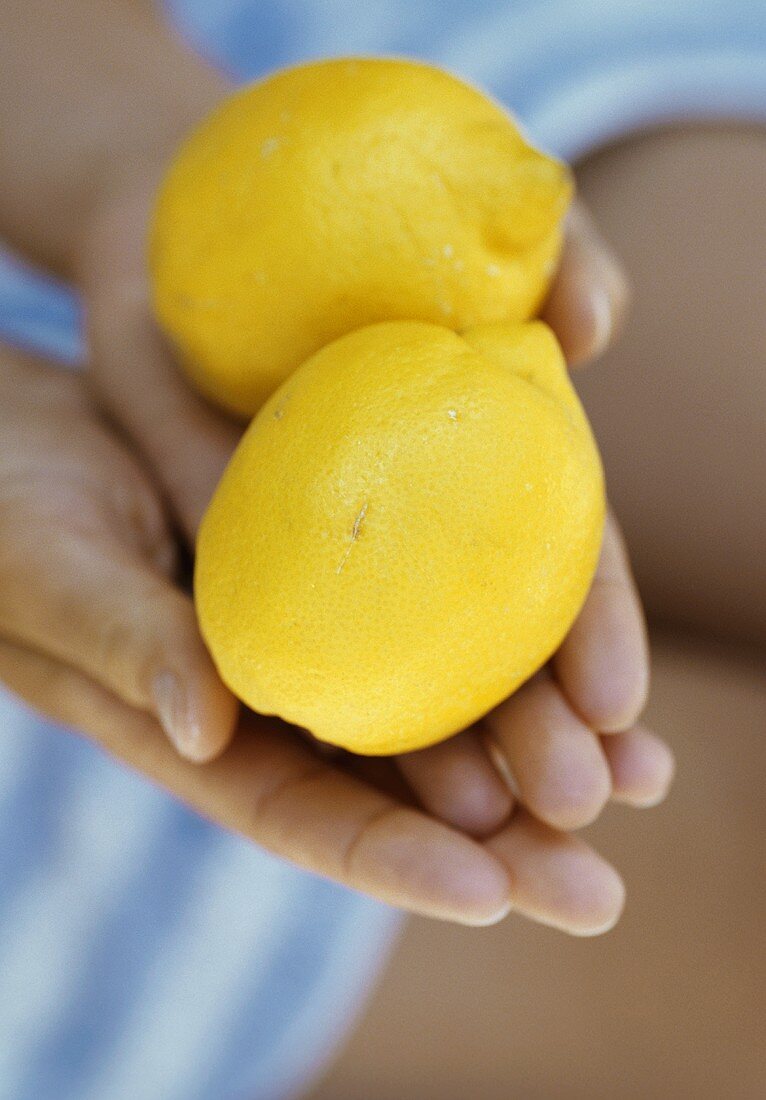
405	533
338	194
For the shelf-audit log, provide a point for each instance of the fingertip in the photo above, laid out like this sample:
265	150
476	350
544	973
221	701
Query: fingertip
612	702
427	868
604	308
557	879
598	911
555	761
590	295
603	665
575	798
642	766
479	899
197	712
493	918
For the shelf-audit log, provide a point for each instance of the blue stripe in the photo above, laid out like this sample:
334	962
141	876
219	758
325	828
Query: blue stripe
31	813
250	40
256	38
270	42
142	917
38	313
274	1000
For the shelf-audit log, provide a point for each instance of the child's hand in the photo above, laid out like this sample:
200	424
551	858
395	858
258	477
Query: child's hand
94	633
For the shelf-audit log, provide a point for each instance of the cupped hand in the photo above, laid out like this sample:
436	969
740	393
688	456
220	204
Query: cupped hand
535	767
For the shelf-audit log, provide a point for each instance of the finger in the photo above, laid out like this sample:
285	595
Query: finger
457	782
94	604
185	441
642	767
133	374
589	297
270	787
603	664
557	879
555	761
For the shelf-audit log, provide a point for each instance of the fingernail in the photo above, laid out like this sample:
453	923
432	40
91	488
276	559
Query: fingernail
649	802
497	757
594	930
601	310
173	712
495	918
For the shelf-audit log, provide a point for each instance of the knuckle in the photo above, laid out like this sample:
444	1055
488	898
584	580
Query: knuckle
120	643
143	639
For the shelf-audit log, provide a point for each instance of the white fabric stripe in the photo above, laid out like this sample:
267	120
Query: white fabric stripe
232	925
107	827
510	39
600	105
498	41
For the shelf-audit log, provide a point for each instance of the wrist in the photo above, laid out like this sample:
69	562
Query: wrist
119	93
128	161
142	141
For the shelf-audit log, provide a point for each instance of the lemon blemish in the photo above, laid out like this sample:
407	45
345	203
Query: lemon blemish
355	532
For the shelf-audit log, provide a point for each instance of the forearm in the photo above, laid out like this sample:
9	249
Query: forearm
91	91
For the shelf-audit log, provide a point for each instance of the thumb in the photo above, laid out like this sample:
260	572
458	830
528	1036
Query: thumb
590	294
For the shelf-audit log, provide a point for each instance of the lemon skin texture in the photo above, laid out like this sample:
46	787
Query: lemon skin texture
341	193
404	535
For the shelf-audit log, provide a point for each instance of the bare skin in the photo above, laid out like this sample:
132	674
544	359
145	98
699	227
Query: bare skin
105	639
683	397
671	1004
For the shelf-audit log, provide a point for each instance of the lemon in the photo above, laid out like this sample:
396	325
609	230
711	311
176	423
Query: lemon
404	535
341	193
411	522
